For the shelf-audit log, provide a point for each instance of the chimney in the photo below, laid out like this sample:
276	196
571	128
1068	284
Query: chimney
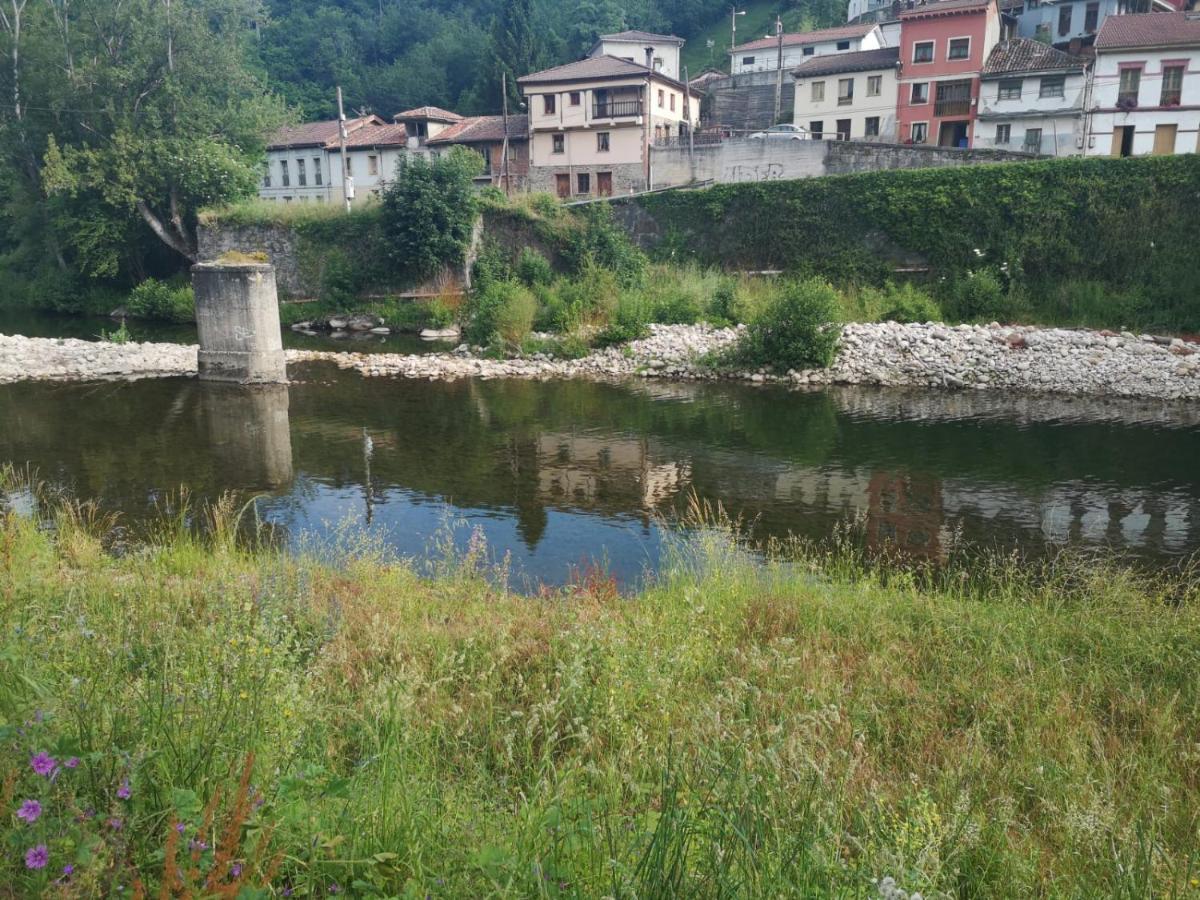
649	57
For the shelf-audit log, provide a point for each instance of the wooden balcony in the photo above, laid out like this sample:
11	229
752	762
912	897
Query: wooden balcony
616	109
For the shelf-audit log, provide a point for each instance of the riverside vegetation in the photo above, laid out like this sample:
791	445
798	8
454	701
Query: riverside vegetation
196	714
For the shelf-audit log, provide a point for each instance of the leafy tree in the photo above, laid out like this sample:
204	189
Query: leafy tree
429	212
514	52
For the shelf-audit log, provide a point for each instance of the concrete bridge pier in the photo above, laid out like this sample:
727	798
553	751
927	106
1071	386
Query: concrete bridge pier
237	317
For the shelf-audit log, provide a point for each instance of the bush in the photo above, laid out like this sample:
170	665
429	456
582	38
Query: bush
629	322
600	242
534	269
505	309
339	281
980	296
904	303
797	329
723	309
154	299
440	314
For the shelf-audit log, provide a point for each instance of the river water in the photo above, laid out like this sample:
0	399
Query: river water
564	474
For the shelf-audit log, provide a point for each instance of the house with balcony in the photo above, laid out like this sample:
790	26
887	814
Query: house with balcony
592	123
631	46
943	47
302	164
425	122
848	95
1146	87
1072	24
1031	99
486	136
763	55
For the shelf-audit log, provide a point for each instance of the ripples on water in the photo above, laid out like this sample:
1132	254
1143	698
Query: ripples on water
564	474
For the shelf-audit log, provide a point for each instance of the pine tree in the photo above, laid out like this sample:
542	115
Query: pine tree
514	53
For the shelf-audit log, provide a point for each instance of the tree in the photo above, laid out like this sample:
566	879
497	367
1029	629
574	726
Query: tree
514	52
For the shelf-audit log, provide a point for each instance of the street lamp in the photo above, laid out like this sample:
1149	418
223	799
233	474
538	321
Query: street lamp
734	12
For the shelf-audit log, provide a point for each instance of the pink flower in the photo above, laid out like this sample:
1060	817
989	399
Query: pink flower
124	792
43	763
72	762
37	857
30	811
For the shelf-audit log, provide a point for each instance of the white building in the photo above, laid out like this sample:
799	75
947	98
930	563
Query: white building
300	166
592	122
1031	98
1146	86
848	95
631	46
763	55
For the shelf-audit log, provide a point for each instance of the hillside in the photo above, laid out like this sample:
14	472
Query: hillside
758	22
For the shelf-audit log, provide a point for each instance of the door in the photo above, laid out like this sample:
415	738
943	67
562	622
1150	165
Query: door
843	129
604	184
1164	139
1122	141
562	186
953	134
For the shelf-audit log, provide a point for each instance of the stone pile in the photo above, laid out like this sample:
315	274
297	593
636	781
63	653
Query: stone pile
68	359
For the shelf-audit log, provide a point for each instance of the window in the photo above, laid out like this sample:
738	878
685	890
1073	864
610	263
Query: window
1172	86
658	63
843	45
316	171
923	52
372	165
874	85
1010	89
959	48
1033	140
919	132
747	60
1091	18
549	104
558	143
843	129
845	91
301	174
602	141
1003	134
672	103
920	92
818	91
871	127
662	98
583	183
1131	80
575	98
816	128
1052	86
809	51
284	178
267	174
1064	19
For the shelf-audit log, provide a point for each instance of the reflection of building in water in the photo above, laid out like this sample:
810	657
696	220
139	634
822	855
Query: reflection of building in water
905	513
587	469
250	431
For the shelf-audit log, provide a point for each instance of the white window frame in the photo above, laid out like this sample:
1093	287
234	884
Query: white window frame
932	54
878	82
555	138
1008	137
1062	93
817	92
848	98
951	40
928	93
925	124
878	120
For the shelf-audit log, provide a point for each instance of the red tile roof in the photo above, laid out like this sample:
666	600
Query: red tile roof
317	134
1024	55
594	68
432	113
810	37
484	130
860	61
945	7
639	36
378	136
1160	29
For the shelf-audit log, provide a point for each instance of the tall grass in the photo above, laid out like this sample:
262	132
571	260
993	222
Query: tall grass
805	725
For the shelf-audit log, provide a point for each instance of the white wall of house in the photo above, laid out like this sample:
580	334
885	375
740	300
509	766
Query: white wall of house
872	106
767	59
373	168
666	55
1036	119
296	175
1173	129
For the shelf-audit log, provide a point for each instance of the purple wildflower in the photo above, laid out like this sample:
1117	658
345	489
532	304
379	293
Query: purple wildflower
335	888
124	792
30	811
181	827
37	857
72	763
195	845
115	824
287	892
68	870
43	763
235	870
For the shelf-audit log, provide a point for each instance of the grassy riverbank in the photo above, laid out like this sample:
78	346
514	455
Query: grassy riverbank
735	729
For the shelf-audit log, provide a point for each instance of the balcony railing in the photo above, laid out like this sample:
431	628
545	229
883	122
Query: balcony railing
616	109
953	99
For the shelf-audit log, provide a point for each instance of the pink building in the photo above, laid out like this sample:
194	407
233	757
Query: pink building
943	46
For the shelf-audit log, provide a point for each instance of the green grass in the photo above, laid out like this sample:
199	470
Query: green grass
758	22
796	728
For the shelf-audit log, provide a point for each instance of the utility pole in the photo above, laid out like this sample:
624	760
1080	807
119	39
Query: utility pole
687	117
504	146
347	180
779	70
733	14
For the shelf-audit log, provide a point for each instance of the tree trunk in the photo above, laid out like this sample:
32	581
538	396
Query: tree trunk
180	243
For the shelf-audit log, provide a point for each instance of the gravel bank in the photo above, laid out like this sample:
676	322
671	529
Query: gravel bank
975	357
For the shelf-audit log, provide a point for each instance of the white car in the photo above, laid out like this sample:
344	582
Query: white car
781	132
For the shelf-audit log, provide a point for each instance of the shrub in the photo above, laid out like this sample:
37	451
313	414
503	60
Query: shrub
980	296
339	281
1098	305
600	242
902	303
629	322
722	310
797	329
154	299
505	309
533	268
440	314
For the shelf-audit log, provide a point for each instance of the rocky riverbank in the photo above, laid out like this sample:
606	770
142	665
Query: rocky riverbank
995	357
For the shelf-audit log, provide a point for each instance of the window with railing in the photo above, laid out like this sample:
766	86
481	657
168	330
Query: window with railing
284	177
317	171
953	98
603	108
1131	82
1172	86
301	173
266	174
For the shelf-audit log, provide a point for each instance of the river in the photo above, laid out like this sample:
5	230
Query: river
563	474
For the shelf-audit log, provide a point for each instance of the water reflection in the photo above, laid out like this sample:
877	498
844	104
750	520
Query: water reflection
563	473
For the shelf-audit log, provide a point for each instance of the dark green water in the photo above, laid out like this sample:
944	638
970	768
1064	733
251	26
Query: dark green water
559	474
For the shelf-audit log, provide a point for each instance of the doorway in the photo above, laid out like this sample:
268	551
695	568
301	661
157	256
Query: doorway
953	134
1164	139
562	186
843	129
604	184
1122	142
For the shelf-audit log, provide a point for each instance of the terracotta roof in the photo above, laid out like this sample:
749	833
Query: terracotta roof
432	113
647	36
1024	55
484	129
317	134
594	68
1159	29
941	7
859	61
378	136
810	37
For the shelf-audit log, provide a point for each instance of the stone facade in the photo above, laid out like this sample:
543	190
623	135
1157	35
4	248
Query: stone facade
747	101
278	242
626	177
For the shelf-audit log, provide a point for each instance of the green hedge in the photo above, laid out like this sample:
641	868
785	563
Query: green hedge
1124	223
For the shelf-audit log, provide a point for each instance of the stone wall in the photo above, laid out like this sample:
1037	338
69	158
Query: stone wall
627	177
278	242
745	159
747	101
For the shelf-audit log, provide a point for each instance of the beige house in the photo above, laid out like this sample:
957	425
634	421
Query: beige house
849	95
632	46
592	122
